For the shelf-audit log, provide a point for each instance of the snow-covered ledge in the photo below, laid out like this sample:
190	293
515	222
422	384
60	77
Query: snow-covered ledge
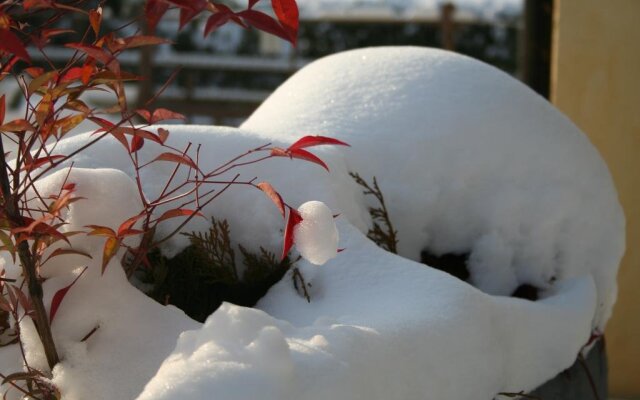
469	160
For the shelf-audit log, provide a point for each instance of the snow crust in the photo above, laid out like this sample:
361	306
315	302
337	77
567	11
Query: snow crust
468	159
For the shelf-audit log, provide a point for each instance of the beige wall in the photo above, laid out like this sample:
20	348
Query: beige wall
596	82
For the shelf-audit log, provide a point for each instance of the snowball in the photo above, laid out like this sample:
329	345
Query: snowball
316	237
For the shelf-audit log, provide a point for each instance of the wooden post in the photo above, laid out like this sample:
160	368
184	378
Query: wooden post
447	26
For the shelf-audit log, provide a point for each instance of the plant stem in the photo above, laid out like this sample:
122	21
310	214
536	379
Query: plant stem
28	267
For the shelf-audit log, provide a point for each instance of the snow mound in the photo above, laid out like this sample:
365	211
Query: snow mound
470	161
378	327
132	334
316	237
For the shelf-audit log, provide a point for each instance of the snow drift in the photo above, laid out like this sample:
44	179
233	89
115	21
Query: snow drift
469	160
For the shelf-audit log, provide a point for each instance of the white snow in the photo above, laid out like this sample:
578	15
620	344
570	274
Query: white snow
316	237
468	159
488	9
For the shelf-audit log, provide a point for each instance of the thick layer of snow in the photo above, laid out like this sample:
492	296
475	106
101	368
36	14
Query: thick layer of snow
469	161
378	327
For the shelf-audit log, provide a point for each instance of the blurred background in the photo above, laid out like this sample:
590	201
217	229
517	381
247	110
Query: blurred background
227	74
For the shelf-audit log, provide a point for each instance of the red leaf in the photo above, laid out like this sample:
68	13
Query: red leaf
176	158
287	13
34	72
10	43
72	74
273	195
95	18
87	71
111	246
40	227
92	51
17	125
196	5
305	155
186	15
264	23
294	219
163	134
98	230
128	224
178	212
162	114
145	114
216	21
29	4
153	11
69	186
310	141
59	296
130	232
39	162
252	3
136	144
140	40
221	8
49	33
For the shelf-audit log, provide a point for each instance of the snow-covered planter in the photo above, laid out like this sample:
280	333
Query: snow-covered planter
470	161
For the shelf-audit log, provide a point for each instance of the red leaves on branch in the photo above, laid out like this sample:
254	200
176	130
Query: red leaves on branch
264	22
95	19
177	158
60	295
294	219
310	141
285	26
33	227
154	10
35	4
307	156
94	52
273	195
160	114
11	44
40	161
126	228
288	16
114	240
216	21
139	41
296	150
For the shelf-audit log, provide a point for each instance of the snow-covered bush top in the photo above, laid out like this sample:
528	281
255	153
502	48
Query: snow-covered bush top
469	161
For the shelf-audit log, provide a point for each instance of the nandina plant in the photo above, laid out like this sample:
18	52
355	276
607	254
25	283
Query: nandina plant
30	222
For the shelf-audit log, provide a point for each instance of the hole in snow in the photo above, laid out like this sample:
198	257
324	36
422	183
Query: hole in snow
527	292
451	263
